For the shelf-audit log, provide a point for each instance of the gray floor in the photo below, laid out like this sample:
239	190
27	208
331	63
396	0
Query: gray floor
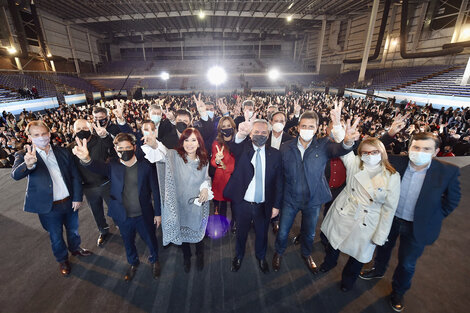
30	281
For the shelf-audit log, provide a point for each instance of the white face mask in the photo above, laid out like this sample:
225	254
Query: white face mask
41	142
250	114
146	133
278	127
420	158
306	134
371	160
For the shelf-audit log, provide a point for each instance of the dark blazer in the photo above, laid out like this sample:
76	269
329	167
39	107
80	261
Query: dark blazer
148	187
285	137
244	172
314	162
439	196
39	193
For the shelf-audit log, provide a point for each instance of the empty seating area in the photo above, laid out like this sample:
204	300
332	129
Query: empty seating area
16	81
8	96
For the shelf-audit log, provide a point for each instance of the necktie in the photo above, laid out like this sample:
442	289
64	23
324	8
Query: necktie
258	178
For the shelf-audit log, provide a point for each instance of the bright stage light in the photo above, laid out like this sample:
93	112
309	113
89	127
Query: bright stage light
290	6
216	75
465	34
274	74
11	50
165	76
289	18
394	42
202	15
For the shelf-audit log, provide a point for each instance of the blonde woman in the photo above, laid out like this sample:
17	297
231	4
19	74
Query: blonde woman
361	216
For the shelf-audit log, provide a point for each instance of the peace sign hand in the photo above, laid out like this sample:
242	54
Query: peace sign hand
81	150
201	106
335	113
220	154
352	133
222	106
30	156
398	124
150	140
297	107
100	131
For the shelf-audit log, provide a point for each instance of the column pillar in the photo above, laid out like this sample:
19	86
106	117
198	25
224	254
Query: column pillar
370	33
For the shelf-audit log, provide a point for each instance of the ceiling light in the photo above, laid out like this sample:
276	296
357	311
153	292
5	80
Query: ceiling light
11	50
202	15
165	76
274	74
216	75
289	18
290	6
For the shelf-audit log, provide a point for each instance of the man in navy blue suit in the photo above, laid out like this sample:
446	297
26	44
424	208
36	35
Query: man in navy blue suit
254	187
430	191
54	191
133	183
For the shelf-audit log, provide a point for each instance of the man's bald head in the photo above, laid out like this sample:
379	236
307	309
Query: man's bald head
82	124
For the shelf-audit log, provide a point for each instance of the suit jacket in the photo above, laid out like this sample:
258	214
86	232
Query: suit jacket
244	172
439	196
39	193
148	187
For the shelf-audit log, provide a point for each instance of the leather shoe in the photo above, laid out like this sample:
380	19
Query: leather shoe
276	262
82	252
130	273
296	240
370	274
263	266
156	270
236	264
275	227
310	264
325	268
102	238
200	262
187	265
65	268
396	302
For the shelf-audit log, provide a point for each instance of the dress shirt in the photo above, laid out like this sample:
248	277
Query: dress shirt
250	191
411	185
59	188
276	142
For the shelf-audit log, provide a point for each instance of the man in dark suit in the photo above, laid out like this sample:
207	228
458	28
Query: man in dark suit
133	183
430	191
254	188
54	191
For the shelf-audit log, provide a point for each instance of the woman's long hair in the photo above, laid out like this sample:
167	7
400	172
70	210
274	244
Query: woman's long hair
200	152
220	136
375	142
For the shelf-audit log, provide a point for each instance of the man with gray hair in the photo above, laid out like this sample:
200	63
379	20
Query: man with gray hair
254	187
95	186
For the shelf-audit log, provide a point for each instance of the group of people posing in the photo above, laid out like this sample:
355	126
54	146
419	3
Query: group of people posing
165	170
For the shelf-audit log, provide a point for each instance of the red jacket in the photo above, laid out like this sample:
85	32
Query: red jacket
221	175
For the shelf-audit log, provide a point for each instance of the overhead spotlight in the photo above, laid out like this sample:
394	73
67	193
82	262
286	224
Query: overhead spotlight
202	15
464	34
216	75
49	55
289	18
290	6
394	42
165	76
274	74
11	50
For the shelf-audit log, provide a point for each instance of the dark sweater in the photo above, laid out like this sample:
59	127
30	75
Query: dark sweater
130	192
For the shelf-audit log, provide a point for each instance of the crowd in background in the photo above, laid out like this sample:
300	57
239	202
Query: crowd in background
452	124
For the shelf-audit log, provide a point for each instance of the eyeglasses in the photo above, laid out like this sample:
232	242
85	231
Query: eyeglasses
373	152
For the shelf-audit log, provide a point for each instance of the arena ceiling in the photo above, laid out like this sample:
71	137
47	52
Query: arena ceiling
126	18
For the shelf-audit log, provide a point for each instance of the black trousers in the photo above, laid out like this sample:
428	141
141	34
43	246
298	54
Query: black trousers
351	270
95	197
187	249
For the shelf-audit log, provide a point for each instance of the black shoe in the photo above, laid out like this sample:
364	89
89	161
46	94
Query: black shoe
156	270
65	268
102	239
326	268
200	262
236	264
370	274
130	273
263	266
396	302
82	252
187	265
296	240
276	261
275	227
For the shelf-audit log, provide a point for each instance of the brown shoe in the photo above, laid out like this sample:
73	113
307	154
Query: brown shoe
64	268
276	262
275	227
156	270
82	252
310	264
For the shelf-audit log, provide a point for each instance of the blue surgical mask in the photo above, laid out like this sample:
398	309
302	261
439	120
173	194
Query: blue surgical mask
156	118
146	133
420	158
210	114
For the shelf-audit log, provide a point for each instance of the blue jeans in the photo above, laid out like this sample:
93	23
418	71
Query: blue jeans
307	229
146	230
53	222
408	253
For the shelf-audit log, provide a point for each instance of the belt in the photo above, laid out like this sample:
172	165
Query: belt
61	201
253	203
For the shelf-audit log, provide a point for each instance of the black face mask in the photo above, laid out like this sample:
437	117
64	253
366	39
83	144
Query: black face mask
103	122
227	132
83	134
126	155
181	126
259	140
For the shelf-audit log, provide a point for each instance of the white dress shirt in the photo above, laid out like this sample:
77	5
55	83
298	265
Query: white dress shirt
250	191
59	188
276	142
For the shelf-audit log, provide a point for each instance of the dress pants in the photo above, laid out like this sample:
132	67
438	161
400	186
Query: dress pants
307	229
247	212
351	270
186	248
146	230
53	222
408	253
95	197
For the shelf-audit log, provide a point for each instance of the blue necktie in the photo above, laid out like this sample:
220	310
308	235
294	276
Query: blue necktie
258	178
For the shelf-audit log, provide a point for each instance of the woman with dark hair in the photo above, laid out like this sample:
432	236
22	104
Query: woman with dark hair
224	163
185	193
